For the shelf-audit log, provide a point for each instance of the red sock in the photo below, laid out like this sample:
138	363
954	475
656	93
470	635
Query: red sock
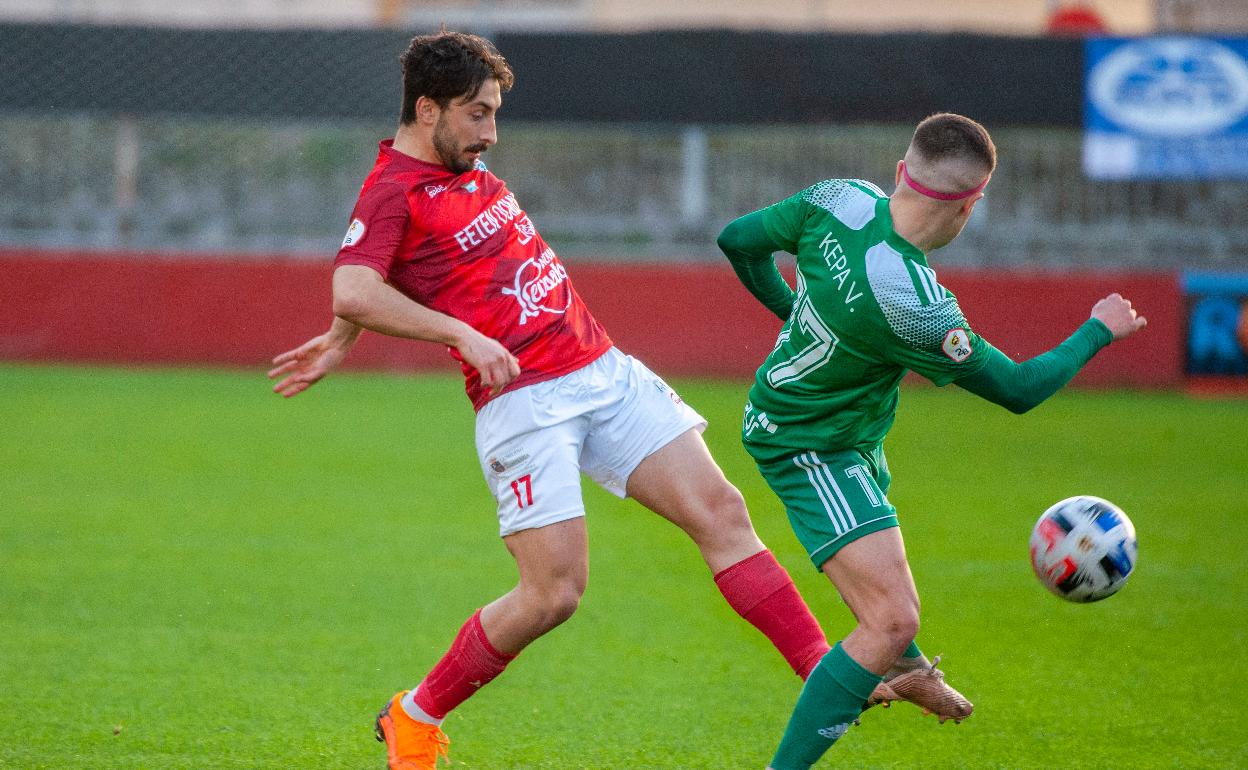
470	664
761	591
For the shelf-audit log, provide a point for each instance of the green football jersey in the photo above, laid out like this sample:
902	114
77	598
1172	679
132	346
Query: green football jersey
868	308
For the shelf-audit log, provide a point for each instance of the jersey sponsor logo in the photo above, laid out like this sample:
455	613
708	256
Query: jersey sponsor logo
957	345
432	190
525	229
536	280
488	222
355	233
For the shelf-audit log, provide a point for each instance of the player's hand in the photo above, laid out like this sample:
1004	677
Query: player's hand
1117	313
495	363
307	364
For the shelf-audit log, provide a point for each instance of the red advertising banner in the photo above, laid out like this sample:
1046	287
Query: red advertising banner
682	319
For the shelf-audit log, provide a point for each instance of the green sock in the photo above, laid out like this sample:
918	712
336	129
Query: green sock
912	651
831	700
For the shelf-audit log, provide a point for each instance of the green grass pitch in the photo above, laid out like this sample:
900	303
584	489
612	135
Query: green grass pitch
197	574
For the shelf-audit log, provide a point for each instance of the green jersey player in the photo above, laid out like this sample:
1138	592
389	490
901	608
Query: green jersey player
868	308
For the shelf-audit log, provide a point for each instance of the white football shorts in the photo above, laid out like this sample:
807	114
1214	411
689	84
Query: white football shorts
601	420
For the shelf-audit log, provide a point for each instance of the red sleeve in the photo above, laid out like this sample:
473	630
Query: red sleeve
377	227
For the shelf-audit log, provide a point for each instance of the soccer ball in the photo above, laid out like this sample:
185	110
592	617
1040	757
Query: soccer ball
1083	548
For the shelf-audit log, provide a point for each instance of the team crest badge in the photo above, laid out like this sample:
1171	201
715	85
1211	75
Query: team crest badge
500	464
957	345
355	233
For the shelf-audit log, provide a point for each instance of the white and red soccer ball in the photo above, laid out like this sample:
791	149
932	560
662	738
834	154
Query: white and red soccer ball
1083	548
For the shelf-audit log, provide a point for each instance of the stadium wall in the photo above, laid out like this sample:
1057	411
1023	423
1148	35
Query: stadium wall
684	320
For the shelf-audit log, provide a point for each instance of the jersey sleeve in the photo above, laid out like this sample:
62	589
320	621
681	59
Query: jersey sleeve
925	330
750	250
377	226
933	339
784	221
1020	387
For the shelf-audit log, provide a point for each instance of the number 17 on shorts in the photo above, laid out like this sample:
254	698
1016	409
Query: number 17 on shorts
523	489
832	499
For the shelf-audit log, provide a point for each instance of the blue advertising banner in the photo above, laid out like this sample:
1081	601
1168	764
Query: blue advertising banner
1217	325
1166	108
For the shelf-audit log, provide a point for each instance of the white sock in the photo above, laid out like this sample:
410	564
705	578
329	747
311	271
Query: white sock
408	702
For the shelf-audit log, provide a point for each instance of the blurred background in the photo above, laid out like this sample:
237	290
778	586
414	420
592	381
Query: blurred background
210	130
203	565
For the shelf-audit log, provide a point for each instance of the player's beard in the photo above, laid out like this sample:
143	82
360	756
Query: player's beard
451	155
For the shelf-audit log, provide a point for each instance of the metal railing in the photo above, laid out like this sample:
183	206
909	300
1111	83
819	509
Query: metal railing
609	191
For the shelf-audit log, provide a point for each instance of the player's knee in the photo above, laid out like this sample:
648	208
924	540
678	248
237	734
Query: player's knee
895	626
903	626
728	514
560	602
562	607
715	517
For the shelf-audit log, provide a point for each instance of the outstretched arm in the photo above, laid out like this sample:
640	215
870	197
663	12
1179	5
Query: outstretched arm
362	299
749	248
304	366
1020	387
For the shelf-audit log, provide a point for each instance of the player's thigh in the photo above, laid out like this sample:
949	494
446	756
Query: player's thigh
639	415
873	577
682	483
552	559
532	467
832	500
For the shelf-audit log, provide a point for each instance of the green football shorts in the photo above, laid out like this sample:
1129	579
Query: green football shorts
832	498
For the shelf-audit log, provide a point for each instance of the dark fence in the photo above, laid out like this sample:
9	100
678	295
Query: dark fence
621	146
702	77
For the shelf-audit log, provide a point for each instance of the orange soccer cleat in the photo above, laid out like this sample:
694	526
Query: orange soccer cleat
926	688
410	744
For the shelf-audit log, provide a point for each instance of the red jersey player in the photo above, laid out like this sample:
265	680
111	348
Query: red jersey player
439	249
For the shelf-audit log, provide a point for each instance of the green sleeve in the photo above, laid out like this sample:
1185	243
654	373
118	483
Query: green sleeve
749	247
937	342
1019	387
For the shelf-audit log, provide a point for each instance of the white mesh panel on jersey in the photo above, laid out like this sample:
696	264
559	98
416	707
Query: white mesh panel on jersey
853	207
920	325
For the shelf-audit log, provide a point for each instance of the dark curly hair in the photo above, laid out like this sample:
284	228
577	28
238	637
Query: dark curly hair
447	66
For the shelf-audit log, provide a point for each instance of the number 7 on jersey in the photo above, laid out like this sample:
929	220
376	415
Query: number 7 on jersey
816	354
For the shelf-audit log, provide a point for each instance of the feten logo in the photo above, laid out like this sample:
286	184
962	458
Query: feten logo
1170	87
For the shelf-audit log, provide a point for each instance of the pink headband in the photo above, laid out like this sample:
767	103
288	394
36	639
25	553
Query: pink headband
940	196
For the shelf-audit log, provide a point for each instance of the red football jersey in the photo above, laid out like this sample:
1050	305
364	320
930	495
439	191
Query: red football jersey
461	245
